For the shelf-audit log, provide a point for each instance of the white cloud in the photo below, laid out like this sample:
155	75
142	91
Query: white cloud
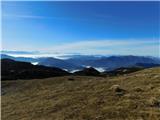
149	47
22	16
139	47
42	17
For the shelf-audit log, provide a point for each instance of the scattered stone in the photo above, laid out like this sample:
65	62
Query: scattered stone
71	79
156	76
118	90
154	102
150	87
138	89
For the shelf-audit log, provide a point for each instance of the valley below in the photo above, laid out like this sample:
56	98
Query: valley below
133	96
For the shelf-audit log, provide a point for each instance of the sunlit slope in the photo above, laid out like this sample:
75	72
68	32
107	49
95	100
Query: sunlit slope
130	97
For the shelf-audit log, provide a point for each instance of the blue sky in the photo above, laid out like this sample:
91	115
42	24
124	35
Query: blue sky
109	28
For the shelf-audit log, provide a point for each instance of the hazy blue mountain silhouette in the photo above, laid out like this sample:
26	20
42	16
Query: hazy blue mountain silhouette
54	62
23	59
147	65
122	70
78	62
113	62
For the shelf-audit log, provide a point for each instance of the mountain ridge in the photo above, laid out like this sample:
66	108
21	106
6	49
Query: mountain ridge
11	69
79	62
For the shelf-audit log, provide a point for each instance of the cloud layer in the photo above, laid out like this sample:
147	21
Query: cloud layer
119	47
145	47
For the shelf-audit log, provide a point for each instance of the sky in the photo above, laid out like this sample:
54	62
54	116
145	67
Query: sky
105	28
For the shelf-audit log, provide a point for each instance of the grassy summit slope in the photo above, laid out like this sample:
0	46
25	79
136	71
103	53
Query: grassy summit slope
130	97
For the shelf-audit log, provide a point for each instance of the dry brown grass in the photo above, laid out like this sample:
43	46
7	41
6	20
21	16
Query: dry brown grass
83	98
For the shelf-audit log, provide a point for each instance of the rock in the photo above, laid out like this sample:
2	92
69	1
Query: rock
138	89
70	79
118	90
154	102
150	87
156	76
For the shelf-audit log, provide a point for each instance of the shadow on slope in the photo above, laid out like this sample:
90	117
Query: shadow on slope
11	69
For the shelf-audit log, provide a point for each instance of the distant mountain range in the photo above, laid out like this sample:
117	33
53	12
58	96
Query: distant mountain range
78	62
63	64
123	70
12	69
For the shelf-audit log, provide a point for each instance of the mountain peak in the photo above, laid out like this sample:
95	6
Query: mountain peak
88	71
